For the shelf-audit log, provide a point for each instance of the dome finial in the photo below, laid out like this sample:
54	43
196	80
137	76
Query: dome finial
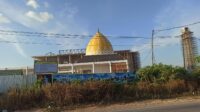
98	30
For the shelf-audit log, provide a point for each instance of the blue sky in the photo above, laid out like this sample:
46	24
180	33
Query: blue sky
113	17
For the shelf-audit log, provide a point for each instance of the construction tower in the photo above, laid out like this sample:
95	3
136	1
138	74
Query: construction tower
189	48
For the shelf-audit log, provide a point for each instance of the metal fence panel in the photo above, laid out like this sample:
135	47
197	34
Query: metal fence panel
16	81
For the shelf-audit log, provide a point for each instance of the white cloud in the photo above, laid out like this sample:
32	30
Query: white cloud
32	3
21	51
16	14
63	23
41	16
16	46
3	19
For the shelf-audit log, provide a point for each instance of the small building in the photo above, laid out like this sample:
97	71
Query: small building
98	57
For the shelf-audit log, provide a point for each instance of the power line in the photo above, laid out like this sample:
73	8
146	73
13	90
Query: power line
163	37
120	37
148	53
166	29
41	43
27	42
175	27
57	35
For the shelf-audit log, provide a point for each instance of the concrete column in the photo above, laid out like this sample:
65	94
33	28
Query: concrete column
127	66
70	61
110	66
93	68
72	68
58	59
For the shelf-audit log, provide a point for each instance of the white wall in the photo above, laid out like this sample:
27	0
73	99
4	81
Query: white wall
101	68
79	68
12	81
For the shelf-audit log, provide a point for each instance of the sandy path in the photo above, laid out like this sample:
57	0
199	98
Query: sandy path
133	105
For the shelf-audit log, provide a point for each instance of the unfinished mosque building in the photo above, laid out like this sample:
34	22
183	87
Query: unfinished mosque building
99	57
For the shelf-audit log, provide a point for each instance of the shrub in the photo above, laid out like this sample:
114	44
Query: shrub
61	95
157	81
21	98
160	73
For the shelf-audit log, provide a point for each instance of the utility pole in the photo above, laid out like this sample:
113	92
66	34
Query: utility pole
152	48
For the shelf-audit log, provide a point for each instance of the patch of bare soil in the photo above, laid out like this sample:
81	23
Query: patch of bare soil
122	106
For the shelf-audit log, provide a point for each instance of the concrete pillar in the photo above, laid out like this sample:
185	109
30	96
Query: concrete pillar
110	66
72	66
58	59
127	66
70	60
93	68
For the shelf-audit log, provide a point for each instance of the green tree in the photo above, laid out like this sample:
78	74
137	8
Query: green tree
197	61
159	73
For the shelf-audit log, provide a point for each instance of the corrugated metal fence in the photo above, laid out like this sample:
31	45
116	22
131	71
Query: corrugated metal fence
16	81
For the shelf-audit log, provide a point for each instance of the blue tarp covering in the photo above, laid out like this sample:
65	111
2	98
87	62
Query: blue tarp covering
63	78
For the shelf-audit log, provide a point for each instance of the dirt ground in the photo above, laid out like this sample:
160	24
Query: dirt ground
121	106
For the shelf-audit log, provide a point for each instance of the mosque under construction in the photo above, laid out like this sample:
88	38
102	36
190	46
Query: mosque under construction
98	57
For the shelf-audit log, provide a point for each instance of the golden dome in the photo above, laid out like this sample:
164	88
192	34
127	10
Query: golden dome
99	45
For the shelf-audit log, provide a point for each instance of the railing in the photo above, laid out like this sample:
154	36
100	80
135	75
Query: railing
72	51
